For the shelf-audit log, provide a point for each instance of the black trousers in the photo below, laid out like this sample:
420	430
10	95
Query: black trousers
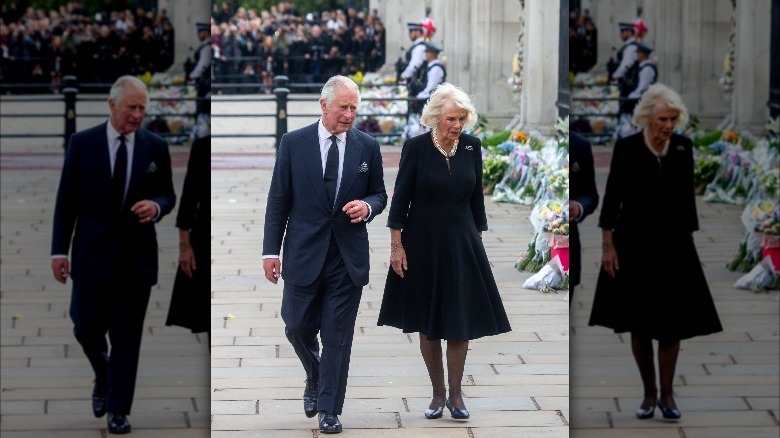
116	310
328	306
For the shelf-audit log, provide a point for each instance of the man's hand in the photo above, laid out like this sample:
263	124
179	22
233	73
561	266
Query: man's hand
356	210
273	269
60	268
145	210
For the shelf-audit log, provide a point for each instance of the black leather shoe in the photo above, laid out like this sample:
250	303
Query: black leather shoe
98	402
118	424
457	413
433	414
329	423
644	414
668	413
310	399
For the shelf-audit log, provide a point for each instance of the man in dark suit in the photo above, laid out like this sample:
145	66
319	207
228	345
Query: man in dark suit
116	184
327	184
583	199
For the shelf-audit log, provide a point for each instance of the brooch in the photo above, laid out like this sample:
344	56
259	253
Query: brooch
681	148
363	167
152	167
469	148
575	167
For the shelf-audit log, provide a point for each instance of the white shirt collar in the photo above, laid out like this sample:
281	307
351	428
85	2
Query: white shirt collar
113	134
324	134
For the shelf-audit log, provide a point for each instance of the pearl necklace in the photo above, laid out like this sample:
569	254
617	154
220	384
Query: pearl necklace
447	155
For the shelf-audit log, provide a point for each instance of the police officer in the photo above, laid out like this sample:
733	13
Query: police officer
626	56
435	73
201	74
646	75
415	56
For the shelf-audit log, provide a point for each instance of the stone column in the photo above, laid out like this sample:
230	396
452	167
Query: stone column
540	69
751	69
183	15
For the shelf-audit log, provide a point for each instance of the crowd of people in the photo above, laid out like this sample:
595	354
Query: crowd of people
37	47
251	47
583	41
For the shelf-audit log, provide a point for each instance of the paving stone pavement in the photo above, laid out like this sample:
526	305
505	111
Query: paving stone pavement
515	384
46	379
727	384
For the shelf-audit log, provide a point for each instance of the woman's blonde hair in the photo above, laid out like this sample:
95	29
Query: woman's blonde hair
655	94
447	93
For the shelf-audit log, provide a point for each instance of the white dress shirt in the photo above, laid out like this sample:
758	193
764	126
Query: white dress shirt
417	59
646	77
434	77
629	57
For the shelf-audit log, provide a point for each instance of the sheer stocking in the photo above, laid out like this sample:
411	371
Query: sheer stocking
431	353
642	347
456	361
667	362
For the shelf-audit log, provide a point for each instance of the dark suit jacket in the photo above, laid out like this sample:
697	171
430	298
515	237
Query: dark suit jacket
582	188
298	203
103	234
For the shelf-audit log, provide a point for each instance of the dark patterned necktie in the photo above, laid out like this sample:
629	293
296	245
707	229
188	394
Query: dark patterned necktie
120	174
332	170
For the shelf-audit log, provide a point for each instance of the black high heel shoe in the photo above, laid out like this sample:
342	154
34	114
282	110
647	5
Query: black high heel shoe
668	413
644	414
457	413
433	414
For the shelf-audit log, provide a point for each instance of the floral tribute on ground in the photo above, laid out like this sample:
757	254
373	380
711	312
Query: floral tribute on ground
533	169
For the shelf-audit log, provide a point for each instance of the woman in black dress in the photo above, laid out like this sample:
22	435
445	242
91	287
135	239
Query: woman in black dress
651	281
190	301
440	283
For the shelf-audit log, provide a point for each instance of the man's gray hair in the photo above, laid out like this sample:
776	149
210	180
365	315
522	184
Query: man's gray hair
335	82
658	93
117	92
447	93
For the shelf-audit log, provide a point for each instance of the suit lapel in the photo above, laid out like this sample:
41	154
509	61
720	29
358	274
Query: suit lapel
140	158
310	145
350	169
103	154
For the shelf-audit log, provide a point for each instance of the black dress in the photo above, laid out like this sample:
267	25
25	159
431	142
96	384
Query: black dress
448	291
191	299
660	289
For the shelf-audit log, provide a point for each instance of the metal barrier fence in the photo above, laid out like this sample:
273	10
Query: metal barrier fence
70	97
281	94
573	117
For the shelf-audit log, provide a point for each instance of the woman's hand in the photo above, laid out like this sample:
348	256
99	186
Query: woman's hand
187	260
609	259
398	261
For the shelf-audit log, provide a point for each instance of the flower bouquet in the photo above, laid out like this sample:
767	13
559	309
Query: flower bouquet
493	169
758	215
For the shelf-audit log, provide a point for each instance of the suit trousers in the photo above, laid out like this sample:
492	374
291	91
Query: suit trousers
328	306
117	310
